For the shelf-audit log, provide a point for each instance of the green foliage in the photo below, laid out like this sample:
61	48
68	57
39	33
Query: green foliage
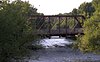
91	40
15	29
86	9
96	3
74	11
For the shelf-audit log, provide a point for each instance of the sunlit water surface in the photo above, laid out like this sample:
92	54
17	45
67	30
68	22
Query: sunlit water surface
57	50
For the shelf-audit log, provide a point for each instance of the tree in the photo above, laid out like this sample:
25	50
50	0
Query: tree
74	11
87	9
91	40
15	29
96	3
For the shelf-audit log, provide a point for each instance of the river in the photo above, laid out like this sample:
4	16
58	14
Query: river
58	50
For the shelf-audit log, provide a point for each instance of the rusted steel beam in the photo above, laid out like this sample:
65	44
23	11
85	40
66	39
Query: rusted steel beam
49	25
57	16
59	25
66	27
78	22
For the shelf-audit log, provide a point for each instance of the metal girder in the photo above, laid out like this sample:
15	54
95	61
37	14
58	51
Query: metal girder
57	16
48	20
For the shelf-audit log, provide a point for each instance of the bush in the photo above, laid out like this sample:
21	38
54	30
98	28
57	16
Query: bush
91	40
15	29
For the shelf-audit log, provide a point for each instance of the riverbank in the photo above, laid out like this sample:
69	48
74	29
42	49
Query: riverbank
56	50
63	54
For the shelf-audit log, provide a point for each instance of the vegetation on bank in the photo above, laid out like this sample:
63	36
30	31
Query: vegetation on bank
15	28
91	40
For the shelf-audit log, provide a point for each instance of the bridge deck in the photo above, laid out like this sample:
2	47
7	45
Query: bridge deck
61	32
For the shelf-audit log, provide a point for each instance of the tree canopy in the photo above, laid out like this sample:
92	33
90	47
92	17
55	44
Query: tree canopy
91	40
15	28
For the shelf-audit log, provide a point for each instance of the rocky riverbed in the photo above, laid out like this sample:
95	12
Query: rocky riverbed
63	54
57	51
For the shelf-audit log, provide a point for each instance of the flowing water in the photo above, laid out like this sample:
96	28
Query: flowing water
58	50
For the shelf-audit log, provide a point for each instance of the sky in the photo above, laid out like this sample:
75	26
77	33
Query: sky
53	7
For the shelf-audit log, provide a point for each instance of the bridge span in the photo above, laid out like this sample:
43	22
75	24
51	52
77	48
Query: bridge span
57	25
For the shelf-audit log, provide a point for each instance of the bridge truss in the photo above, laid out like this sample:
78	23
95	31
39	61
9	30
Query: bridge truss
57	25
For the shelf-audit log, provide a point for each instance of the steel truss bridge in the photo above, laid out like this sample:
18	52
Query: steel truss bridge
57	25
